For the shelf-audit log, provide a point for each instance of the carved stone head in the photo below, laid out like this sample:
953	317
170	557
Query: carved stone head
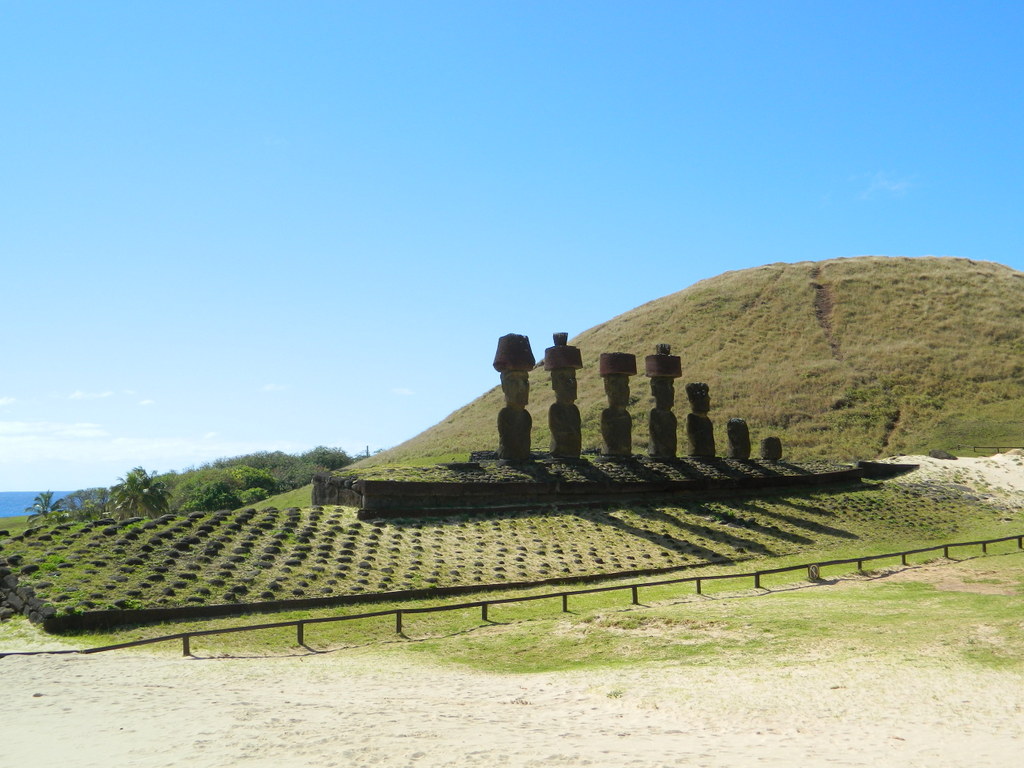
516	386
563	381
616	387
699	397
664	391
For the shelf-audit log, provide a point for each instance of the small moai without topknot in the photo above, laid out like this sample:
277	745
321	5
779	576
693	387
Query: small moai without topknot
663	368
562	361
699	430
739	439
514	360
771	449
616	423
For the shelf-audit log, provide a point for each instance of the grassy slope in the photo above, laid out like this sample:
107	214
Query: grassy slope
889	355
787	626
300	497
269	555
14	525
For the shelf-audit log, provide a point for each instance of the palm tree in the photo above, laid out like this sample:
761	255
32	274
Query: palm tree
42	505
139	493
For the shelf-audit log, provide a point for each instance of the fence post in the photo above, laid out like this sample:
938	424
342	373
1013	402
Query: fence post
185	649
860	565
565	603
984	547
483	612
300	633
636	595
398	622
757	580
945	552
903	558
1020	542
698	587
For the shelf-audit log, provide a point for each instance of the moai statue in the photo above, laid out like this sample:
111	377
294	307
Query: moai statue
663	369
739	439
616	423
513	360
699	429
563	416
771	449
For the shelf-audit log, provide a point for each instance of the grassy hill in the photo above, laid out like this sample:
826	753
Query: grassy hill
844	359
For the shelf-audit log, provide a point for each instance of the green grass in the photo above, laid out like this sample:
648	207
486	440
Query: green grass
905	355
271	554
300	497
909	619
847	617
14	525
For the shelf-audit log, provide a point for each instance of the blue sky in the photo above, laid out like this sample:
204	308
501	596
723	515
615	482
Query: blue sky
239	226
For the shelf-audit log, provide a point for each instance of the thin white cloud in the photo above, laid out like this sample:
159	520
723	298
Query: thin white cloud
45	454
273	387
85	443
34	430
884	185
403	391
146	402
6	400
80	395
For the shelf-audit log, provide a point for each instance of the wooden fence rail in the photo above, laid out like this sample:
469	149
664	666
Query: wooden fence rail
813	572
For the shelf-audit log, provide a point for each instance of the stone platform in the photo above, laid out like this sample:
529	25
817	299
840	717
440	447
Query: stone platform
487	484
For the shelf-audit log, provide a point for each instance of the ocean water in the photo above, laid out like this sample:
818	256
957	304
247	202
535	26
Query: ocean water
13	503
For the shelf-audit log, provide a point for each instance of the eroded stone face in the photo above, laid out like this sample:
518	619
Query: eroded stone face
771	449
563	415
663	440
617	432
514	426
739	439
700	433
564	423
662	423
563	381
516	387
616	388
699	397
616	423
514	421
663	389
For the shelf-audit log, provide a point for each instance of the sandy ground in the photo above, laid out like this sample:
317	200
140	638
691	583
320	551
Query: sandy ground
360	708
1001	475
342	709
